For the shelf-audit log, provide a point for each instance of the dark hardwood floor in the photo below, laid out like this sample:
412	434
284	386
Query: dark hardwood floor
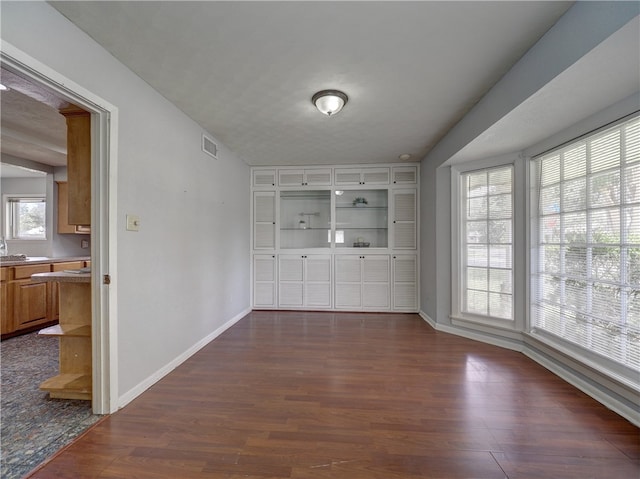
371	396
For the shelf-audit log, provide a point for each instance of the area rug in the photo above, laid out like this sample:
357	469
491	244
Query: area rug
34	427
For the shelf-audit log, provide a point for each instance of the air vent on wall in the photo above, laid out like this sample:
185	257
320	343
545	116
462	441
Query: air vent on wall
209	146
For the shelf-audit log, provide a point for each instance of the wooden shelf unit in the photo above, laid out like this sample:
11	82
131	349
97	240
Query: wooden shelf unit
74	333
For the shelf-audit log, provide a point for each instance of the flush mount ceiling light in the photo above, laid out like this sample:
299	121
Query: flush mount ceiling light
3	87
329	102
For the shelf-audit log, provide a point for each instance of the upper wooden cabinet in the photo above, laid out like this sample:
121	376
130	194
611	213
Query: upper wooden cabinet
78	165
63	226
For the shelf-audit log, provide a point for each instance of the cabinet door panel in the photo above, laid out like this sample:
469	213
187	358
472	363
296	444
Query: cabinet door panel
264	219
265	237
264	178
348	269
264	268
404	206
264	295
264	281
290	294
318	295
375	176
375	269
404	297
348	176
318	177
404	236
290	177
348	295
375	295
405	282
265	207
30	302
291	268
404	219
318	269
407	175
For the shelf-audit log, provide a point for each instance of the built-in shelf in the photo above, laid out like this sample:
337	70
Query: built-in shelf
69	386
80	330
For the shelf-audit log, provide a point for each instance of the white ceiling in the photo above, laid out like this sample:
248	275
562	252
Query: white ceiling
246	71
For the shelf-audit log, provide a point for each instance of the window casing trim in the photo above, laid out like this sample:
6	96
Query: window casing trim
8	228
479	322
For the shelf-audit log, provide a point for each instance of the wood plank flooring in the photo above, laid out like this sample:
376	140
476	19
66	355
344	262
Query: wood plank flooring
339	395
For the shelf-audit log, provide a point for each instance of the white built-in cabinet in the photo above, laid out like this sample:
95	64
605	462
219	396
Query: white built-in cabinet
264	281
264	178
306	177
264	220
405	282
404	175
338	238
405	211
304	281
362	176
362	282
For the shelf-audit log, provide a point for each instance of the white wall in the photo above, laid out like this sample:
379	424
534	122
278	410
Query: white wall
186	272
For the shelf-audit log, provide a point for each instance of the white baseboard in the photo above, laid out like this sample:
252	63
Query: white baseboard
476	336
134	392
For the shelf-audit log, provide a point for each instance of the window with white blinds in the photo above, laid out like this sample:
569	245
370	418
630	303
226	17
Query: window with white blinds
486	242
585	262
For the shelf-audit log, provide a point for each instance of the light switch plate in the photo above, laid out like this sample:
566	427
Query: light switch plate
133	223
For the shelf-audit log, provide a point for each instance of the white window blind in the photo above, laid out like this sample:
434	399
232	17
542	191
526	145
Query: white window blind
586	244
487	249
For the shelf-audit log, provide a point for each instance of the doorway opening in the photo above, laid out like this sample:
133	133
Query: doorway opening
103	222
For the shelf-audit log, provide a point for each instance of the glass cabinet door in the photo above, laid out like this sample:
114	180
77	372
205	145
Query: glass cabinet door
305	219
362	219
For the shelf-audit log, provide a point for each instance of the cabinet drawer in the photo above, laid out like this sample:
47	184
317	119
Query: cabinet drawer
55	267
23	272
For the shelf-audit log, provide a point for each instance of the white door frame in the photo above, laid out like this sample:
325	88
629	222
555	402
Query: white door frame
104	127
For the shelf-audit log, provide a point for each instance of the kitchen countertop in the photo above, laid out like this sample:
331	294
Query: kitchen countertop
62	277
43	260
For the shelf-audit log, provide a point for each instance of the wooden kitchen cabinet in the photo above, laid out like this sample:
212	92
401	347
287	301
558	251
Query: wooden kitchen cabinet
30	299
27	305
78	165
6	301
63	224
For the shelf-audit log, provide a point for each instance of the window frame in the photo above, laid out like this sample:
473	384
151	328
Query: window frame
506	327
9	201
